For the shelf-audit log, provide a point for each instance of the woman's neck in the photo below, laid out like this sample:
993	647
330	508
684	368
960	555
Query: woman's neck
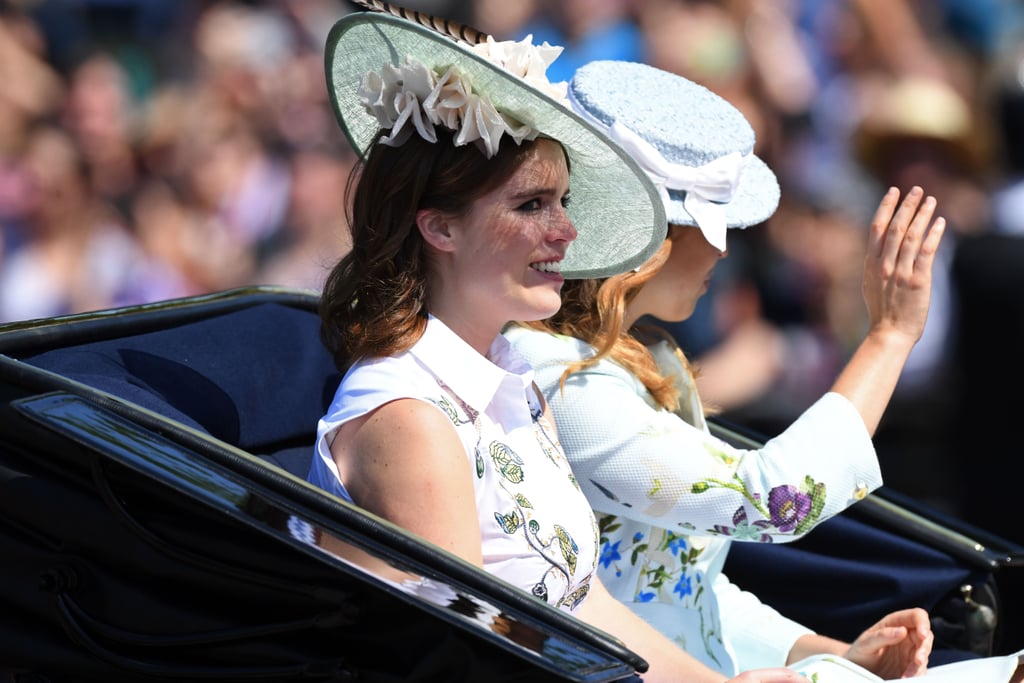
471	330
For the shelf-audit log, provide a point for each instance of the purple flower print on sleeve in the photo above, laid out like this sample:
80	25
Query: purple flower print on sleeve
790	509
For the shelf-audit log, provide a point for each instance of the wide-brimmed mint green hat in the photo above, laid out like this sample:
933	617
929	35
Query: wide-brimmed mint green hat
697	148
377	80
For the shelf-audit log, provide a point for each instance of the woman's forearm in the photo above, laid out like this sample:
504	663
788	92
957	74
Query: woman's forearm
813	644
870	377
668	662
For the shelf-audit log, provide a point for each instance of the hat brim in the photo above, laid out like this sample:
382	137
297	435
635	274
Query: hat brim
615	208
755	200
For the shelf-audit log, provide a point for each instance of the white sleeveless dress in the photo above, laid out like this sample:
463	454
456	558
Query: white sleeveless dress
537	530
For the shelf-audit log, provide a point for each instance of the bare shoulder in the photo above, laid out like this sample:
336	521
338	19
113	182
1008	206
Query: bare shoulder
405	462
398	430
402	419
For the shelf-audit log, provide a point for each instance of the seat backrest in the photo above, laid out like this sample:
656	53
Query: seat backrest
257	378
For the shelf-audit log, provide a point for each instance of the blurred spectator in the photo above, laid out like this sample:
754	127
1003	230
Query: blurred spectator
77	255
99	112
502	19
315	234
32	91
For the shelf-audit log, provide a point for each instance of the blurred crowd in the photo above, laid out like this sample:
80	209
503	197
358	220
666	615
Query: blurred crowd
152	149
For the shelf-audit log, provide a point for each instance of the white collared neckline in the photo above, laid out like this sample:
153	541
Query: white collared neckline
475	378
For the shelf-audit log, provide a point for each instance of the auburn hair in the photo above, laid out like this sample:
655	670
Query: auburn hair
594	310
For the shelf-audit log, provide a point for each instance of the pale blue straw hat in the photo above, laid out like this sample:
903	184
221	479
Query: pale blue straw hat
695	146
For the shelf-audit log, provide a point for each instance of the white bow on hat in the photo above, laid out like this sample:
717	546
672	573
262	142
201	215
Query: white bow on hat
708	187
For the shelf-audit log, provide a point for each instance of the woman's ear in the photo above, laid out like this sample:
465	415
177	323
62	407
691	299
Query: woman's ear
435	229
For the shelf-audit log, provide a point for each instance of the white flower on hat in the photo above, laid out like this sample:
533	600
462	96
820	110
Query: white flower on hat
525	60
393	97
411	97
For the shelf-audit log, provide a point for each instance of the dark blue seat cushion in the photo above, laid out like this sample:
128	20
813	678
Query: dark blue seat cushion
257	378
843	576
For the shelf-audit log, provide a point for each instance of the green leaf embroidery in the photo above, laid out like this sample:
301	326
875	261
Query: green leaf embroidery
509	523
568	547
509	464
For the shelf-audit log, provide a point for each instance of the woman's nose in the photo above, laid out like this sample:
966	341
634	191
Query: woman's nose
563	228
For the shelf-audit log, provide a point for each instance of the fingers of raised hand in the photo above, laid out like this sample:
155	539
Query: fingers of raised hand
930	245
883	216
913	256
905	239
893	232
913	618
880	636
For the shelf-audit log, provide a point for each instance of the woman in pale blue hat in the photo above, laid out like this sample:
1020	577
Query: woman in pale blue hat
460	223
671	497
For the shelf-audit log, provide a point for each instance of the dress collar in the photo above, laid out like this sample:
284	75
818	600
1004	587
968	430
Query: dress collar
474	378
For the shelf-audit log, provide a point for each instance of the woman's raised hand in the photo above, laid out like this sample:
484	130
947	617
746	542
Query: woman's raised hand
898	264
897	290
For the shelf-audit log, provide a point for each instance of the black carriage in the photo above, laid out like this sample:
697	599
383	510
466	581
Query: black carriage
155	525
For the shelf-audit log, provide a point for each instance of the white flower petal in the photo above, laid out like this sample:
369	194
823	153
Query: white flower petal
491	125
410	97
518	131
468	131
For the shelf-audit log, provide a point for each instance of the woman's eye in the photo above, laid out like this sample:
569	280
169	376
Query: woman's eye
566	201
532	205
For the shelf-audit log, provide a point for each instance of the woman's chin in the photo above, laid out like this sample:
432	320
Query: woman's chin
542	308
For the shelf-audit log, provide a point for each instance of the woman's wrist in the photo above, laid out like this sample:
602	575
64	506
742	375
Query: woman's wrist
813	644
889	340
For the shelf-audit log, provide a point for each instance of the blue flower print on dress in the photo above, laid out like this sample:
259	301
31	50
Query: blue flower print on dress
683	586
667	566
609	553
678	545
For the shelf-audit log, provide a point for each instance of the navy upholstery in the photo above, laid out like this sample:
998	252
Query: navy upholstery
257	378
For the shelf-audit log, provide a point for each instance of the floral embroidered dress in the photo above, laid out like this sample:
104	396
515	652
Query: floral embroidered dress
537	530
671	498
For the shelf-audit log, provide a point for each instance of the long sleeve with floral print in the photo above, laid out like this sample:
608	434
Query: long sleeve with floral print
635	459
